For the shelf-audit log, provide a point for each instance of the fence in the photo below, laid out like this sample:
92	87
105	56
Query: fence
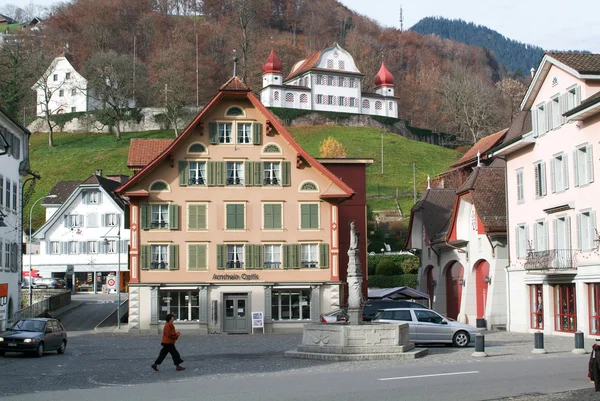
51	303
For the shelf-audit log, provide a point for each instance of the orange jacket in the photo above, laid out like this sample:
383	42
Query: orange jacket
169	334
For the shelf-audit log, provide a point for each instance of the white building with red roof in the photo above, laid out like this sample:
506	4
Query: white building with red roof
327	80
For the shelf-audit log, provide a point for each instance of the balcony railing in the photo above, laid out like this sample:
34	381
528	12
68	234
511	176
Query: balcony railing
197	181
235	181
270	181
159	265
235	265
553	259
310	264
272	265
159	224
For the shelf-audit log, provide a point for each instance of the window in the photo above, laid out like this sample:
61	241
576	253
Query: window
540	179
560	173
92	197
197	257
68	75
329	63
331	100
573	97
522	240
73	220
342	101
565	308
111	219
235	173
520	192
289	97
244	133
562	242
1	192
309	186
197	173
340	81
55	77
352	102
160	216
235	256
556	114
366	104
539	120
73	109
426	316
290	304
272	258
309	256
235	218
224	131
73	93
7	259
319	99
14	194
197	217
234	112
401	315
92	247
159	186
111	246
272	173
330	80
341	64
583	165
61	93
353	82
271	148
309	216
276	95
7	197
378	105
159	259
196	148
586	231
304	98
184	305
541	236
272	216
594	291
536	302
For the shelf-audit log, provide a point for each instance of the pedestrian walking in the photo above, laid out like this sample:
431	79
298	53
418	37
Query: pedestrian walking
47	313
170	336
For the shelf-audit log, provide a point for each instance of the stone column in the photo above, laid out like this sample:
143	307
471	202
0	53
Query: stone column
354	279
154	305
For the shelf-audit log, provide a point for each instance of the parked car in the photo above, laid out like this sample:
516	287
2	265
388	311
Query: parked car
426	326
25	282
340	315
46	283
371	306
35	335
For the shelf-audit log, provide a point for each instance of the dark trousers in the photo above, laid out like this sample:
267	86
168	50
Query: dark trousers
168	349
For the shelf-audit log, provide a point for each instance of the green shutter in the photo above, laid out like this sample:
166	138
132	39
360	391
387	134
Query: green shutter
296	256
259	256
286	257
201	217
256	133
212	129
193	217
201	257
174	217
211	174
192	257
285	174
173	257
268	212
249	254
304	216
230	217
239	216
221	256
277	216
221	173
258	174
183	173
145	216
235	217
314	216
324	260
248	174
145	257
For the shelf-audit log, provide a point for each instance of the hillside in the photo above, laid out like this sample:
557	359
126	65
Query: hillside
518	57
77	156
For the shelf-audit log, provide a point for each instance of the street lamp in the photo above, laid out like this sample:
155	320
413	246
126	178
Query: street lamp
29	243
118	284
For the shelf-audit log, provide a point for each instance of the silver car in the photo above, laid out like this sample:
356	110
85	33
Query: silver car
428	327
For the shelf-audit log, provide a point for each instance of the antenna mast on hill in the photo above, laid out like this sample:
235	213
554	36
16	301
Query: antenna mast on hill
401	20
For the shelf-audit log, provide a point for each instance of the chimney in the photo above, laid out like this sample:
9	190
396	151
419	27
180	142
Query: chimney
532	72
99	172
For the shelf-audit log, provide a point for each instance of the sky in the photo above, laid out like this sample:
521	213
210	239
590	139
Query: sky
550	24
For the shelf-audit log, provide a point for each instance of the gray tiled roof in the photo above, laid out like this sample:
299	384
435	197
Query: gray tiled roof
487	188
62	190
436	207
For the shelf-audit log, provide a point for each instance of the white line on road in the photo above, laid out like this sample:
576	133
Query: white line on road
434	375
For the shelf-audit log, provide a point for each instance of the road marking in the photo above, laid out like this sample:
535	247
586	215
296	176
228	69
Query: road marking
434	375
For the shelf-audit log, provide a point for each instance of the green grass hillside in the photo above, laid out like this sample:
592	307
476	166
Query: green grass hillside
77	156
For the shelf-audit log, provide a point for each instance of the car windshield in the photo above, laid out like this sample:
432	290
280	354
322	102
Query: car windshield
29	325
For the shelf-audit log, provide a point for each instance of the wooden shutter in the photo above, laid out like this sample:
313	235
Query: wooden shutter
590	163
592	230
249	256
268	216
256	133
576	167
211	173
314	216
544	185
183	173
192	257
577	96
83	247
324	259
565	165
173	216
518	242
259	256
286	179
563	100
239	216
145	216
277	216
230	216
568	231
555	228
296	256
520	193
553	171
193	217
534	122
201	256
579	232
304	216
285	258
221	173
145	257
548	110
173	257
221	256
258	173
538	189
249	174
212	129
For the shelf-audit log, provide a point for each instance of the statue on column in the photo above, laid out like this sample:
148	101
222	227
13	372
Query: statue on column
354	236
354	277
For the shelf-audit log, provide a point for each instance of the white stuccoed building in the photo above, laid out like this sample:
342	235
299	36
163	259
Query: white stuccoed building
14	164
328	80
85	229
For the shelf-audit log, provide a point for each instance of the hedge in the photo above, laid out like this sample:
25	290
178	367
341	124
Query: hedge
406	264
408	280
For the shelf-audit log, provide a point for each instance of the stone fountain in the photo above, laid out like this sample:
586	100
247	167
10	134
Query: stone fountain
355	339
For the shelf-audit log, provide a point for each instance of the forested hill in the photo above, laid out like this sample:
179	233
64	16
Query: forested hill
516	56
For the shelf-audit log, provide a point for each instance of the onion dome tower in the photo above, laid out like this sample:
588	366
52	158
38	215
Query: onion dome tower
272	74
384	81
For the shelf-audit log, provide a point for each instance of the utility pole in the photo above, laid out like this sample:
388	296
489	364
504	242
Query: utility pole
134	49
414	183
401	20
381	152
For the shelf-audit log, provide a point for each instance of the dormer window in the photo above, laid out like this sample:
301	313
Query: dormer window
159	186
234	112
246	132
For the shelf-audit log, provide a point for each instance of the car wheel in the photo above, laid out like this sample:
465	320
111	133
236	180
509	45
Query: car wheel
40	350
63	346
460	339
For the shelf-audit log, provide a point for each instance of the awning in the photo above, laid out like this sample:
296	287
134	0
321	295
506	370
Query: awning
396	293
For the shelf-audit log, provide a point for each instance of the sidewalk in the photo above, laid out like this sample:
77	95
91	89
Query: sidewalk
79	299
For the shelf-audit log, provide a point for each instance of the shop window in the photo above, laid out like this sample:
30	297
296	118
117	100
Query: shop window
565	308
594	291
290	304
184	305
536	302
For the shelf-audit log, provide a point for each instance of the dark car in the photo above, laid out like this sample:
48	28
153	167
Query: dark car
371	306
35	335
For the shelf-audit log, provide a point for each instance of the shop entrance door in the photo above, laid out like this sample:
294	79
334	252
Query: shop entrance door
236	317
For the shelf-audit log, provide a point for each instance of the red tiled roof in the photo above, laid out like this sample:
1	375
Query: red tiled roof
482	146
308	63
384	77
273	63
234	84
583	63
143	151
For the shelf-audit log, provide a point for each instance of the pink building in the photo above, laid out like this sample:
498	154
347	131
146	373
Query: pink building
553	276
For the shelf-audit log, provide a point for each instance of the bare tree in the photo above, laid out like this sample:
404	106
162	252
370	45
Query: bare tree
110	83
512	91
50	100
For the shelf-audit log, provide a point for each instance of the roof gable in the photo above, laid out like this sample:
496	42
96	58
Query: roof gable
62	58
482	147
435	206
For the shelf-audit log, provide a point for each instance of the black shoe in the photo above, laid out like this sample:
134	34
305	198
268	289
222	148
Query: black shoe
154	367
